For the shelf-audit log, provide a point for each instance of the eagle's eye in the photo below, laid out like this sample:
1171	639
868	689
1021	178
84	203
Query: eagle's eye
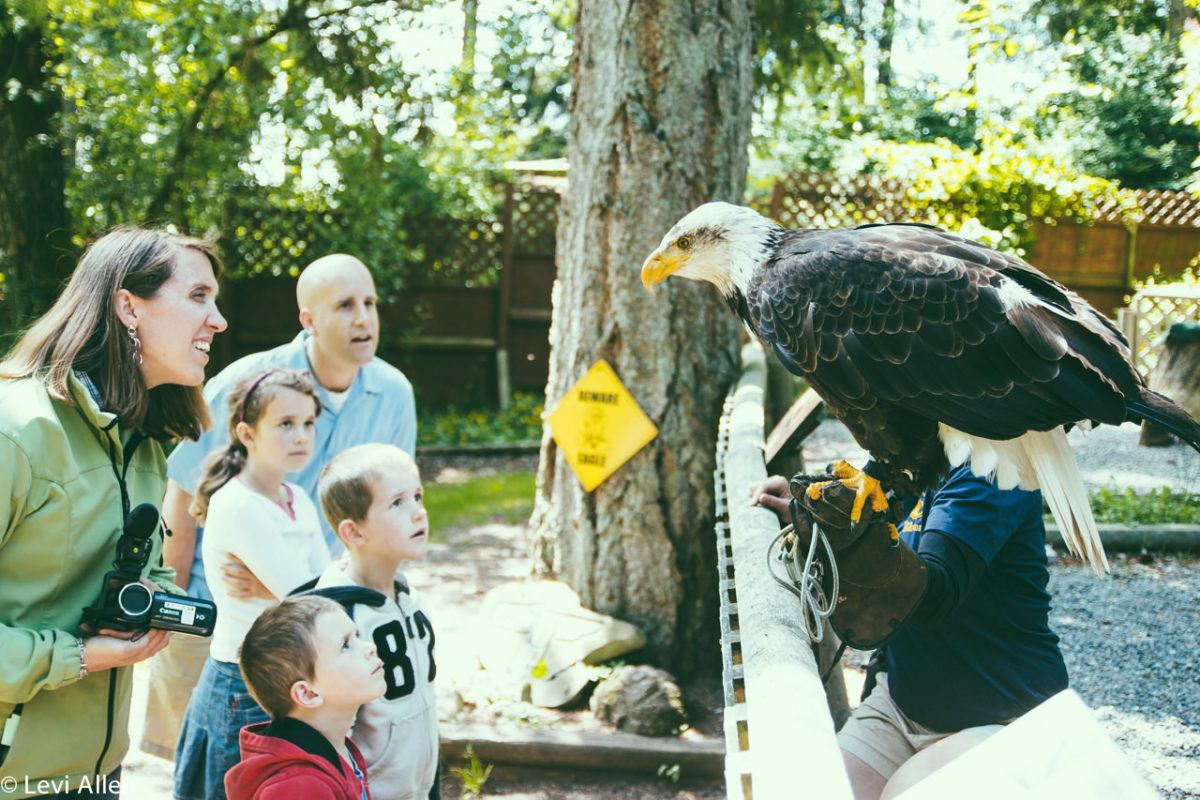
683	242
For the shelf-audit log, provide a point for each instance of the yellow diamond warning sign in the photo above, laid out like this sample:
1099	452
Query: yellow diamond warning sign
598	425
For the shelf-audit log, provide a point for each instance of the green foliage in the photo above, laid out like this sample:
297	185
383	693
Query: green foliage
514	107
1061	19
473	774
670	772
289	130
916	114
1157	507
806	48
1122	118
831	132
531	72
520	422
506	498
996	192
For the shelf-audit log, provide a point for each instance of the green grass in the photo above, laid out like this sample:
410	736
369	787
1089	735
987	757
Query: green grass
506	498
1149	508
1156	507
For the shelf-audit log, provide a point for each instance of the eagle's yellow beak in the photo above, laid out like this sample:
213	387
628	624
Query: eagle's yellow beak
658	267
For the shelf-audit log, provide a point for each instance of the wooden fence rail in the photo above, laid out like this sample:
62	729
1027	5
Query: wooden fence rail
779	736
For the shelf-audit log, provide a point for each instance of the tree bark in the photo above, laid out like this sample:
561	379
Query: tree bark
35	228
470	30
660	119
887	32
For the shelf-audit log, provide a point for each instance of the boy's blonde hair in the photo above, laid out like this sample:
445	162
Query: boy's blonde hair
347	481
280	648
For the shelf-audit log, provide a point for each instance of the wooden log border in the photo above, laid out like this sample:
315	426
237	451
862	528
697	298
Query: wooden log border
779	736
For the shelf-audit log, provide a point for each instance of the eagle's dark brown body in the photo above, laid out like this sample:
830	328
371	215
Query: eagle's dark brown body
900	327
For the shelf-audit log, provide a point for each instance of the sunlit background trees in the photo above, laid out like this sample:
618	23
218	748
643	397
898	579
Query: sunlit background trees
288	127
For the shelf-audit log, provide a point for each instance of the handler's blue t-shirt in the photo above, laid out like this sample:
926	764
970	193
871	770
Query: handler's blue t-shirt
995	657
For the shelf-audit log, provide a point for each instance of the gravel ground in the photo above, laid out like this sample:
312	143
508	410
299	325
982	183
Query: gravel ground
1107	457
1130	642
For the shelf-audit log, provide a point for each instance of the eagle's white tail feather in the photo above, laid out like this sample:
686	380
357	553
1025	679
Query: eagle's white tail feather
1058	477
1035	460
1003	461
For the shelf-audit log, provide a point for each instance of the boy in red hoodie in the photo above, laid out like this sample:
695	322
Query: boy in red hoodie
305	665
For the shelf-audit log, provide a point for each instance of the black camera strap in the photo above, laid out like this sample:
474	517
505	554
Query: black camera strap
121	473
109	435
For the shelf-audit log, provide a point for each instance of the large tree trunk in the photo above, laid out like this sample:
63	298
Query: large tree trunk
660	119
35	230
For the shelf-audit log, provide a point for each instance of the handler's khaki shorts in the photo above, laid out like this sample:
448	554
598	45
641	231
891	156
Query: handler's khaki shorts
174	673
879	733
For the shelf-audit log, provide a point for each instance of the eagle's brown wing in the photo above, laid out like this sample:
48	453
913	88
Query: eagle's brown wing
903	326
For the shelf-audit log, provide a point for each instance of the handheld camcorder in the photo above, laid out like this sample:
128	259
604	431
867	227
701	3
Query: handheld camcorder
127	604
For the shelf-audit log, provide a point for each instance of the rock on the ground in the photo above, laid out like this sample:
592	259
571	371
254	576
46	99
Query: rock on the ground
640	699
537	637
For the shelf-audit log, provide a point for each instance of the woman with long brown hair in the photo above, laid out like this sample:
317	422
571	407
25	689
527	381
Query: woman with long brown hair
86	396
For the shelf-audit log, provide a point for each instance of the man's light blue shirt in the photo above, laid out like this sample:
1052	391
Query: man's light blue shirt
379	408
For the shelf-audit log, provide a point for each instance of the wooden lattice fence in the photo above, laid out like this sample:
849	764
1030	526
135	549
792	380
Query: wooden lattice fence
816	200
469	325
1151	312
1101	258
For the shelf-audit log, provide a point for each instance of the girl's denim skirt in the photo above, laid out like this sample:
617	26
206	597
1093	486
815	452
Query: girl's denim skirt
208	741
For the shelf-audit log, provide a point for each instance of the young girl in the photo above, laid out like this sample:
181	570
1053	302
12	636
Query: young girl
250	512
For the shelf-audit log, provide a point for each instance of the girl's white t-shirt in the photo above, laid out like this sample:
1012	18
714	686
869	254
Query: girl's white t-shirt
281	552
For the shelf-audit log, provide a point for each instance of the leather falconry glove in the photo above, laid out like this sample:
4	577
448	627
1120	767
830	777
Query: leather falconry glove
881	579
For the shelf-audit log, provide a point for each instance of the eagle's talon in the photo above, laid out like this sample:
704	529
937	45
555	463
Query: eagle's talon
816	490
865	487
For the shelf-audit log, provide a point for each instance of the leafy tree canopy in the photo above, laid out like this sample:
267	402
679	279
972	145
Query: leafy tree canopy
1122	118
287	127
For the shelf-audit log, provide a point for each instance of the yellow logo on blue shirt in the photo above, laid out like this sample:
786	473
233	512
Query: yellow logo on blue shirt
913	523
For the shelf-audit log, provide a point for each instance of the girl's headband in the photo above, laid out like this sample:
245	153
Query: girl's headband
249	391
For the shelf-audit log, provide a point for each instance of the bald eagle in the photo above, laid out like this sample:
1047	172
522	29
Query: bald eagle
933	349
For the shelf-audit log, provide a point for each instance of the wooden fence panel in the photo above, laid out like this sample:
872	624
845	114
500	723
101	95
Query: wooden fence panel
467	338
1171	248
1091	258
435	313
448	335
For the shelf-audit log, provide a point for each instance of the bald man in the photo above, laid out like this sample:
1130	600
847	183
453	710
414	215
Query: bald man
364	400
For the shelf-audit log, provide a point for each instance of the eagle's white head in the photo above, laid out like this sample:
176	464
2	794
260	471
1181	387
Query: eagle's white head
718	242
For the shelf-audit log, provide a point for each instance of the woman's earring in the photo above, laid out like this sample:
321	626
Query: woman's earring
135	343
